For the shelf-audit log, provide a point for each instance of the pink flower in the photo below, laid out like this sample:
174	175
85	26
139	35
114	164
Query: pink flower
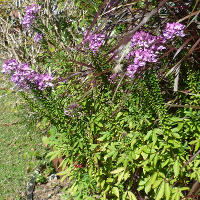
172	30
37	37
95	41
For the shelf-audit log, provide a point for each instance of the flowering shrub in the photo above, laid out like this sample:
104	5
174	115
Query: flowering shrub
122	135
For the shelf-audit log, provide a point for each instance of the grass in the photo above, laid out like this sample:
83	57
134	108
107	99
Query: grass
20	145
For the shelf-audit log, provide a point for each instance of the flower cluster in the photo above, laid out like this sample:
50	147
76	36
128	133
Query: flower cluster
22	75
173	29
94	40
37	37
146	47
30	11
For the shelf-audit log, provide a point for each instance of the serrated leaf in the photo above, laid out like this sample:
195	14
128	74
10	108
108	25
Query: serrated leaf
65	172
167	191
161	191
118	170
131	196
99	124
115	191
176	168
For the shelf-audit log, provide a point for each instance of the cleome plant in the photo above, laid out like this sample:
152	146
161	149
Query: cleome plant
117	85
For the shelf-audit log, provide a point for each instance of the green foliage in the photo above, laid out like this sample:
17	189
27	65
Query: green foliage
120	146
117	140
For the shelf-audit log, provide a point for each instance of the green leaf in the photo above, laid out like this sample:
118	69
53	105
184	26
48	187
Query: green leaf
131	196
177	196
45	141
118	115
164	163
126	176
156	183
103	183
176	119
124	196
118	170
155	160
147	188
109	180
153	178
154	138
130	125
99	124
120	177
176	168
64	178
167	191
161	191
176	135
115	191
148	135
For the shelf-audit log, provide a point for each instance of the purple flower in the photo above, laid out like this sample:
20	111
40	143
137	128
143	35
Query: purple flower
37	37
32	9
22	75
9	66
172	30
94	40
112	78
146	47
28	20
131	70
29	17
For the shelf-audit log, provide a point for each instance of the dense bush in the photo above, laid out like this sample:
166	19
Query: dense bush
104	85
